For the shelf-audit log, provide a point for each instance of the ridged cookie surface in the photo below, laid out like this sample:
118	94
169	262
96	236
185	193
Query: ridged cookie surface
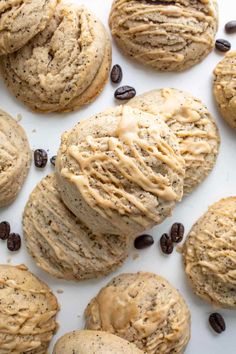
120	171
166	35
15	158
94	342
142	308
224	88
194	126
21	20
61	244
209	254
27	312
64	66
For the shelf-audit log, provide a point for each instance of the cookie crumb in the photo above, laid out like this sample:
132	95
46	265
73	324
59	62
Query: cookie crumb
135	256
19	117
60	291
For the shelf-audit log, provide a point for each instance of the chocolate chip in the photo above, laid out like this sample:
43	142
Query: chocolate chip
125	93
223	45
14	242
166	244
116	74
177	232
230	27
40	158
143	241
53	160
217	322
4	230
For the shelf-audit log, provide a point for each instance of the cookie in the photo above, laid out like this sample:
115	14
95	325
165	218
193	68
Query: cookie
120	171
61	244
27	312
209	254
63	67
144	309
91	342
15	158
194	126
224	88
166	35
20	21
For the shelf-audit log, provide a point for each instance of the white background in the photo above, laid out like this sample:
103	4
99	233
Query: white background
44	132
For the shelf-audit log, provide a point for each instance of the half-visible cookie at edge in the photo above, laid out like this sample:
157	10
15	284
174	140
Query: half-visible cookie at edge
22	20
224	88
28	310
166	35
144	309
91	342
63	67
15	158
60	242
194	126
120	171
209	254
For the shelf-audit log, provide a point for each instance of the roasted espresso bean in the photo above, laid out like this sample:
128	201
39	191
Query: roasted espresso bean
222	45
40	158
177	232
166	244
230	27
125	93
116	74
217	322
53	160
14	242
4	230
143	241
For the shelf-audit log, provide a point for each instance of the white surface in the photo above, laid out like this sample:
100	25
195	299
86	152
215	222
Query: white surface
221	183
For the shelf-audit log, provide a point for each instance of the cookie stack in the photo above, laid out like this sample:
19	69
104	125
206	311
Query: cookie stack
55	57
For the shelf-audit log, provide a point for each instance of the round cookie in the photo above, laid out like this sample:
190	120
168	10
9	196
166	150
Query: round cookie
166	35
194	126
224	88
61	244
142	308
209	254
15	158
22	20
90	342
63	67
120	171
27	312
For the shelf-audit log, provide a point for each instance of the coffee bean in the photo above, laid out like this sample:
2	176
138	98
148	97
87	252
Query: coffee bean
53	160
223	45
116	74
125	93
143	241
166	244
4	230
14	242
177	232
230	27
217	322
40	158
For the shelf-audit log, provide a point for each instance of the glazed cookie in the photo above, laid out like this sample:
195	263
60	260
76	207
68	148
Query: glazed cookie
166	35
224	88
91	342
190	120
27	312
61	244
209	254
22	20
142	308
15	158
63	67
120	171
